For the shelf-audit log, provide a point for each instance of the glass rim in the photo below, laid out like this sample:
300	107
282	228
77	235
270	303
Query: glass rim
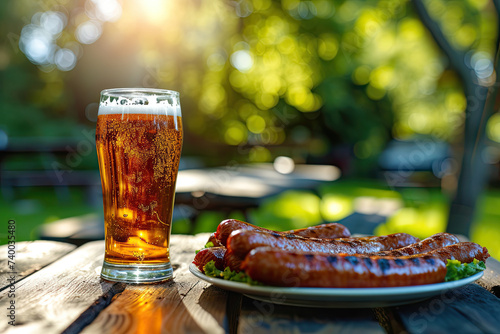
117	92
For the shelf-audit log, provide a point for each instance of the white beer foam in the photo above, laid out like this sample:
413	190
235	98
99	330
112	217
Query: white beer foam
153	107
159	109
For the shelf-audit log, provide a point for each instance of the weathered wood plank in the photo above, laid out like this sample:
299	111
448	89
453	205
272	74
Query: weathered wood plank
491	277
49	300
68	296
30	256
233	311
470	309
262	317
186	305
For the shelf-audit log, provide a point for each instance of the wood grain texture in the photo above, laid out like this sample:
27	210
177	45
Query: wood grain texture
469	309
31	256
262	317
184	305
68	296
491	278
50	300
233	311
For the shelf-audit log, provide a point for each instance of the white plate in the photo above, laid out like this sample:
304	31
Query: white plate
336	297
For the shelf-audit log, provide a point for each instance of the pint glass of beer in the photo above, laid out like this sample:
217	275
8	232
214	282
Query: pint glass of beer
139	142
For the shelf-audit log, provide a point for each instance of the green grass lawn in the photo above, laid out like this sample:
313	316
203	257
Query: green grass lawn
418	211
34	206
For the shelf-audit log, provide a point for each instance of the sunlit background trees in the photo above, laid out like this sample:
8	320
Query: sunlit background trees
319	81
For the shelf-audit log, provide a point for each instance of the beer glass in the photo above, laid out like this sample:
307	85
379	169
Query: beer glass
139	142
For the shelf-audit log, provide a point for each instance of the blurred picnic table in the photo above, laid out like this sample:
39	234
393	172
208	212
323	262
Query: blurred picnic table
58	289
243	186
225	189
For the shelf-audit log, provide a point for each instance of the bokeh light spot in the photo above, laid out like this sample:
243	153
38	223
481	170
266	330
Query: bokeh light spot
374	93
256	124
259	154
235	134
382	77
286	45
327	46
411	29
53	22
361	75
266	101
284	165
154	10
324	8
37	44
242	60
465	36
493	128
88	32
65	59
271	84
335	207
109	10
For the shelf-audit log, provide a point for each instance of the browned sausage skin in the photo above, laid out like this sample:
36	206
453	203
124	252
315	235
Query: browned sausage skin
297	269
330	231
323	231
220	256
241	242
215	242
208	254
226	227
435	241
464	252
232	261
213	239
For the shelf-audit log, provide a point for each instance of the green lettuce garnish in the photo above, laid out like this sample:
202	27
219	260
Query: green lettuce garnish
228	274
211	270
207	245
457	270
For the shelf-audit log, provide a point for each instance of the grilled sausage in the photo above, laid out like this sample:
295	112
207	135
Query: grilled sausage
232	261
330	231
323	231
226	227
435	241
208	254
298	269
241	242
213	239
285	268
464	252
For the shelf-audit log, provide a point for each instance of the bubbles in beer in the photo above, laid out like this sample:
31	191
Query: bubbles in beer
138	157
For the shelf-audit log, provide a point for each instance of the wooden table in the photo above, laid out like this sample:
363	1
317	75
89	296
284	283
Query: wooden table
58	290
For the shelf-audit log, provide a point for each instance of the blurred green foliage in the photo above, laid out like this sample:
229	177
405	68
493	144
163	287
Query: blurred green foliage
40	205
261	78
284	77
291	210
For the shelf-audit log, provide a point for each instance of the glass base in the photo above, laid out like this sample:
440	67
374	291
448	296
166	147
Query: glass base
138	273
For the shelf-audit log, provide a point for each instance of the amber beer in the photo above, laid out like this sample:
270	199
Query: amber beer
139	142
